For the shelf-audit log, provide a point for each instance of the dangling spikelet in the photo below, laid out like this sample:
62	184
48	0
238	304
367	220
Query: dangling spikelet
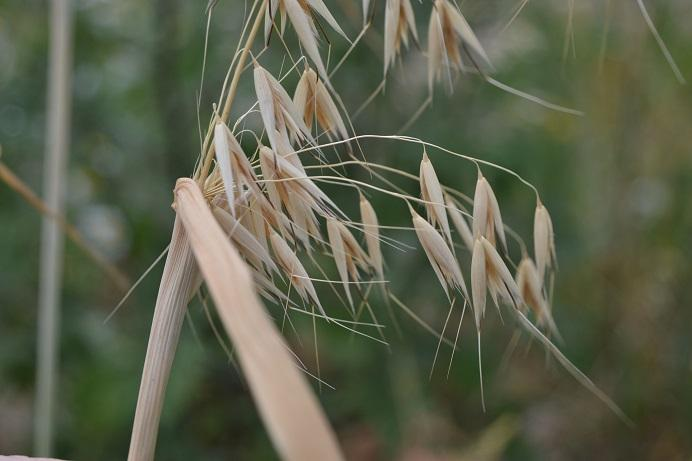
479	281
447	27
431	191
247	244
398	22
531	293
440	256
371	229
234	167
543	241
280	117
459	222
501	284
312	101
300	13
292	267
348	255
487	220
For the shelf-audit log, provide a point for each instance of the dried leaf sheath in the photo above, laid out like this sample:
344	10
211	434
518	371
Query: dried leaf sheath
290	411
179	280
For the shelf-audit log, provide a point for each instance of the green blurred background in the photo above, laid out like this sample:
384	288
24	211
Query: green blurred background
617	181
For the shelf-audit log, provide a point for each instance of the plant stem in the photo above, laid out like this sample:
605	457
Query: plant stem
178	282
52	240
207	152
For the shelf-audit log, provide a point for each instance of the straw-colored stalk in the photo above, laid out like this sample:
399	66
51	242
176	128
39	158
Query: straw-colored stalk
52	240
180	275
291	413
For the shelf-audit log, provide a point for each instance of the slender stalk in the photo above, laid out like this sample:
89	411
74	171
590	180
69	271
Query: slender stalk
289	409
178	282
52	240
16	184
206	153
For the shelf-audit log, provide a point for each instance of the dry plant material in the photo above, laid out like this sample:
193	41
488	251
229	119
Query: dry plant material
251	221
446	29
288	407
178	283
543	241
459	221
487	220
371	229
348	255
399	22
431	191
313	101
440	256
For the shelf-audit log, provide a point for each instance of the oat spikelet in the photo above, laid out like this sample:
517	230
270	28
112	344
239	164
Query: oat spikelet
440	256
292	266
447	28
531	293
300	14
543	241
501	284
248	245
479	281
290	187
371	228
459	222
399	21
279	115
348	255
431	191
487	219
313	101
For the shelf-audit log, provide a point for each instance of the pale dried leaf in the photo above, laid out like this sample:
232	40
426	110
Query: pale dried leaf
288	407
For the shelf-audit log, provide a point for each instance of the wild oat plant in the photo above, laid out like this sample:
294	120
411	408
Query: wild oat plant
250	221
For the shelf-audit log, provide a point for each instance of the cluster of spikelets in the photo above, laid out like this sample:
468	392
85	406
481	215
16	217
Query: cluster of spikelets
248	220
273	210
448	32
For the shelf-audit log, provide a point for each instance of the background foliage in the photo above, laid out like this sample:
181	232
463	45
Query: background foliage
617	182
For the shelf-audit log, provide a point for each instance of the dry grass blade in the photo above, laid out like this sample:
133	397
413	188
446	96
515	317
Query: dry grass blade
177	285
288	407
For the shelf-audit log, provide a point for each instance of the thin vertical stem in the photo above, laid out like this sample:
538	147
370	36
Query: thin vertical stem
178	282
52	239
